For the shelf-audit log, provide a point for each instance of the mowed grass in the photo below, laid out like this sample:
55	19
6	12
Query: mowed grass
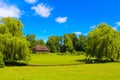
54	59
105	71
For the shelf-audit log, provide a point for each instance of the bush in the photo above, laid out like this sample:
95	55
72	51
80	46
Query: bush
1	61
80	53
73	52
68	53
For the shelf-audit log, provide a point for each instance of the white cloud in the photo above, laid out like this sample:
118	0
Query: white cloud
31	1
61	19
117	25
92	27
115	28
42	10
78	33
7	10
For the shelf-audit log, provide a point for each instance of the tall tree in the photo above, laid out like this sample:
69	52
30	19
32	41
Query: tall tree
104	42
82	43
68	45
40	42
75	41
54	43
31	39
15	48
13	45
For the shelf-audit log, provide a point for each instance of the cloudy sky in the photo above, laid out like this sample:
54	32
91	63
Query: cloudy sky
56	17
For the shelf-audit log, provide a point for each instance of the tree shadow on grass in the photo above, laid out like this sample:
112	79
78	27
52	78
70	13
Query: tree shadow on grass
95	61
14	63
80	62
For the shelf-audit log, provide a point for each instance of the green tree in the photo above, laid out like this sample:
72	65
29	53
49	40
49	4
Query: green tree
51	44
68	45
82	43
104	42
40	42
31	39
13	45
13	25
75	41
54	43
15	48
58	44
3	29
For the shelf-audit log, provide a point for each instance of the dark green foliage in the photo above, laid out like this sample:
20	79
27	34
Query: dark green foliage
54	43
75	41
1	60
79	43
80	53
68	45
82	44
104	42
51	44
31	39
70	42
40	42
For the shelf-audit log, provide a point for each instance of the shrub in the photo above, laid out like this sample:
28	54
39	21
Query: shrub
73	52
67	53
80	53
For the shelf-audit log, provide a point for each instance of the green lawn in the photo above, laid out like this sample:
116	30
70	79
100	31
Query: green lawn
53	59
105	71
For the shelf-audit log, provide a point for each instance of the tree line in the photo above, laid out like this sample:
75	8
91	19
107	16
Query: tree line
33	42
103	42
69	42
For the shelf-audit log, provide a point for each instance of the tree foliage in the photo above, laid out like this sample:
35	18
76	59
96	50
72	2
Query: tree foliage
104	42
54	43
40	42
31	39
68	45
82	43
75	41
15	48
12	26
13	45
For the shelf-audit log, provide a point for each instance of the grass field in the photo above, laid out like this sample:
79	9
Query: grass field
53	59
105	71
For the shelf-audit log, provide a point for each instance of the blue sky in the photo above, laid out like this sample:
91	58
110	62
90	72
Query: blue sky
56	17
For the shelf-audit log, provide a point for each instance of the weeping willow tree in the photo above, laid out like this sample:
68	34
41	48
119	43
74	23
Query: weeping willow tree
13	45
104	42
14	48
